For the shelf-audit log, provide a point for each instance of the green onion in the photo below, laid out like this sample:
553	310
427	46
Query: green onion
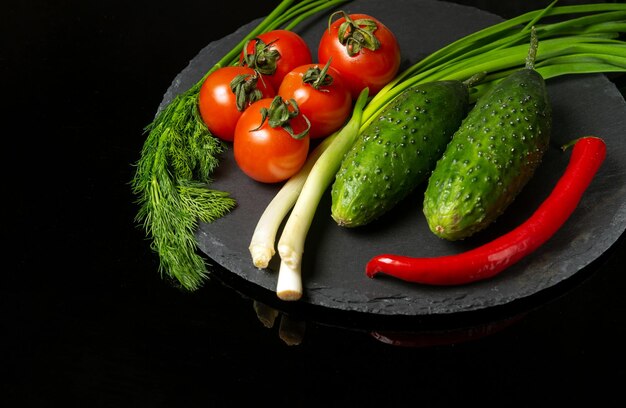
499	48
291	244
262	243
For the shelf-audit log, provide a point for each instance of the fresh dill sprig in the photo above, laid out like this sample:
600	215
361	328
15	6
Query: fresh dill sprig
172	176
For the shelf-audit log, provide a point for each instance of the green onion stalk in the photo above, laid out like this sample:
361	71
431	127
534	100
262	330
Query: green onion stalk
321	175
585	40
580	39
172	176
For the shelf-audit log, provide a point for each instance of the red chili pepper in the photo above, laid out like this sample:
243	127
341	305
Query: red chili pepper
490	259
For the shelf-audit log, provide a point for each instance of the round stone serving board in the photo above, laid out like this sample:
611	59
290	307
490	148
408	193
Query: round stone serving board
335	258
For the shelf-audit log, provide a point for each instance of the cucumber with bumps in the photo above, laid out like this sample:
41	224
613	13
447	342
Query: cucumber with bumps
492	156
398	150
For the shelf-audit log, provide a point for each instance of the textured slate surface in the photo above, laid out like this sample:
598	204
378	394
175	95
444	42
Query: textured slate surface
335	258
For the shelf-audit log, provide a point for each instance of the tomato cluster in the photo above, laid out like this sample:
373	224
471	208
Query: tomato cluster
277	99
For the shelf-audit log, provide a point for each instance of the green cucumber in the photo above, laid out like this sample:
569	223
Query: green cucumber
492	156
398	150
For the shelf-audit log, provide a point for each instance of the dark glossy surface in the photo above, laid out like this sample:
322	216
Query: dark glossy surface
88	321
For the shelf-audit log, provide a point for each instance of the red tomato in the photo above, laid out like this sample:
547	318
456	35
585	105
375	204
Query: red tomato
327	106
268	154
360	66
277	53
217	101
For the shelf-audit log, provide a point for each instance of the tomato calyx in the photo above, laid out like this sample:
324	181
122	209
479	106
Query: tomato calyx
263	57
279	115
244	86
317	77
356	34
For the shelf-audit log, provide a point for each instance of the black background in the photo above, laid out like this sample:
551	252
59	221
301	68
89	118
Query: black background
88	321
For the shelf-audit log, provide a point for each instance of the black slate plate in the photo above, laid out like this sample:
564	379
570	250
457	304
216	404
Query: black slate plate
335	258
